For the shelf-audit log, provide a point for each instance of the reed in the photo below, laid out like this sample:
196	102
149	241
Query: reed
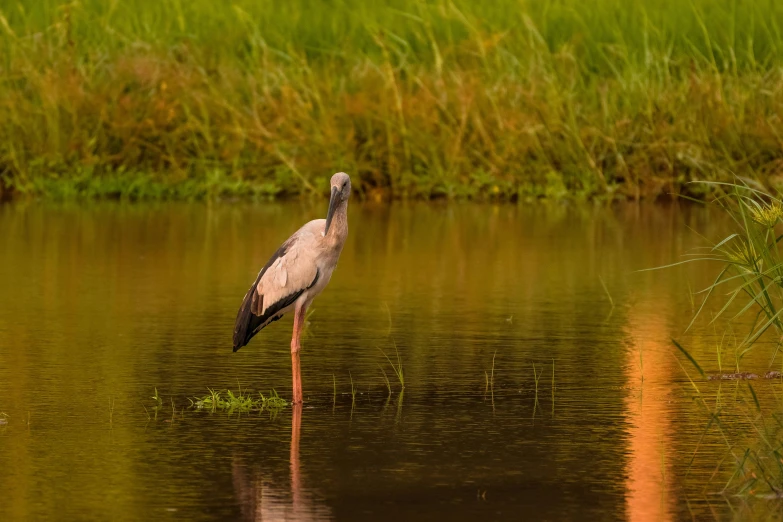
415	98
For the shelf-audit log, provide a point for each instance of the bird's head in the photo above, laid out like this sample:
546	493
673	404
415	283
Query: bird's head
341	191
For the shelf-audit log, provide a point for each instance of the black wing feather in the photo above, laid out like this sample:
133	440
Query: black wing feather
247	321
249	324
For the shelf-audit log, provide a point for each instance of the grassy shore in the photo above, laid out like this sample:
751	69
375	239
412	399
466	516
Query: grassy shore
509	98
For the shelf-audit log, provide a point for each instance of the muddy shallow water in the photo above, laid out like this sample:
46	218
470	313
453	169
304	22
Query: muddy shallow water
103	304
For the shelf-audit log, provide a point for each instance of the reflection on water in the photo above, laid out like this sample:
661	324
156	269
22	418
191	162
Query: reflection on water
104	304
261	498
649	366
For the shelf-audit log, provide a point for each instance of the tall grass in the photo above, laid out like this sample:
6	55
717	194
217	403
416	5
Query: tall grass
415	98
748	296
749	284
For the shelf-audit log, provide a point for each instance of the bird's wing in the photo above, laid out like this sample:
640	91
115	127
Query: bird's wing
285	277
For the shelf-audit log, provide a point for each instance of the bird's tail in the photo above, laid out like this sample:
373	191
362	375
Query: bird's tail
247	322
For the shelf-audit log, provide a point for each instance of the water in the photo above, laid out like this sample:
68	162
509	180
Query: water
102	304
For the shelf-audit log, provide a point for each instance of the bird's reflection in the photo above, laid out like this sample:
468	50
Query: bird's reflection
263	498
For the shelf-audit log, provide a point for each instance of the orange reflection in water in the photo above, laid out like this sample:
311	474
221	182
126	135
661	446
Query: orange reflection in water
649	370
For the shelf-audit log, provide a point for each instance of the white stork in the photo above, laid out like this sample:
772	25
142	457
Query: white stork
295	275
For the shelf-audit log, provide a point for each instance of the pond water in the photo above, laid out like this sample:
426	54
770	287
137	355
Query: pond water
527	391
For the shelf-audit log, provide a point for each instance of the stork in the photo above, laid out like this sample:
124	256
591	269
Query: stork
295	275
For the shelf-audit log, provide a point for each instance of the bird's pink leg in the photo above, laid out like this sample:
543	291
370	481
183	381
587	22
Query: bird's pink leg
296	478
299	317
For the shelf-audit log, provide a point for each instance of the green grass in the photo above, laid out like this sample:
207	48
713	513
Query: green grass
196	99
536	377
492	376
553	388
749	286
353	390
606	290
386	380
748	296
229	401
396	369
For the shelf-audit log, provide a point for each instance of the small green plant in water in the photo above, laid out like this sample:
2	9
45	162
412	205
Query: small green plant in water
229	401
386	379
274	401
397	369
553	387
606	291
536	377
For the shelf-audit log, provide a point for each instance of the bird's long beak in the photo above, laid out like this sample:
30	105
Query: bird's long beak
332	206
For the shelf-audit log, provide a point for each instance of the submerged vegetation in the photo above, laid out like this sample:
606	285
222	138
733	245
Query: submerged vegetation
415	98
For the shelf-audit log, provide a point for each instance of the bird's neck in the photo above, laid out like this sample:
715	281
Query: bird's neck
338	229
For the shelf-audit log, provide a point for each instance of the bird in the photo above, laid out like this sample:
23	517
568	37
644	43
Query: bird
295	274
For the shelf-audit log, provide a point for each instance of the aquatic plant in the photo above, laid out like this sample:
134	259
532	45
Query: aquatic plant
750	276
385	379
353	390
228	400
397	369
536	377
606	291
157	398
748	290
273	400
553	387
489	379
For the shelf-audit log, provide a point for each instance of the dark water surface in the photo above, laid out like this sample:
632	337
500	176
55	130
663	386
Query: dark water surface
102	304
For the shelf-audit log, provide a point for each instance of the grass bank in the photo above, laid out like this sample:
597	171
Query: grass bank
442	98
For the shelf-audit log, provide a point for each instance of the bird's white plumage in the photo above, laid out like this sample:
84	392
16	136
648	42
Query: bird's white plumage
295	270
298	271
